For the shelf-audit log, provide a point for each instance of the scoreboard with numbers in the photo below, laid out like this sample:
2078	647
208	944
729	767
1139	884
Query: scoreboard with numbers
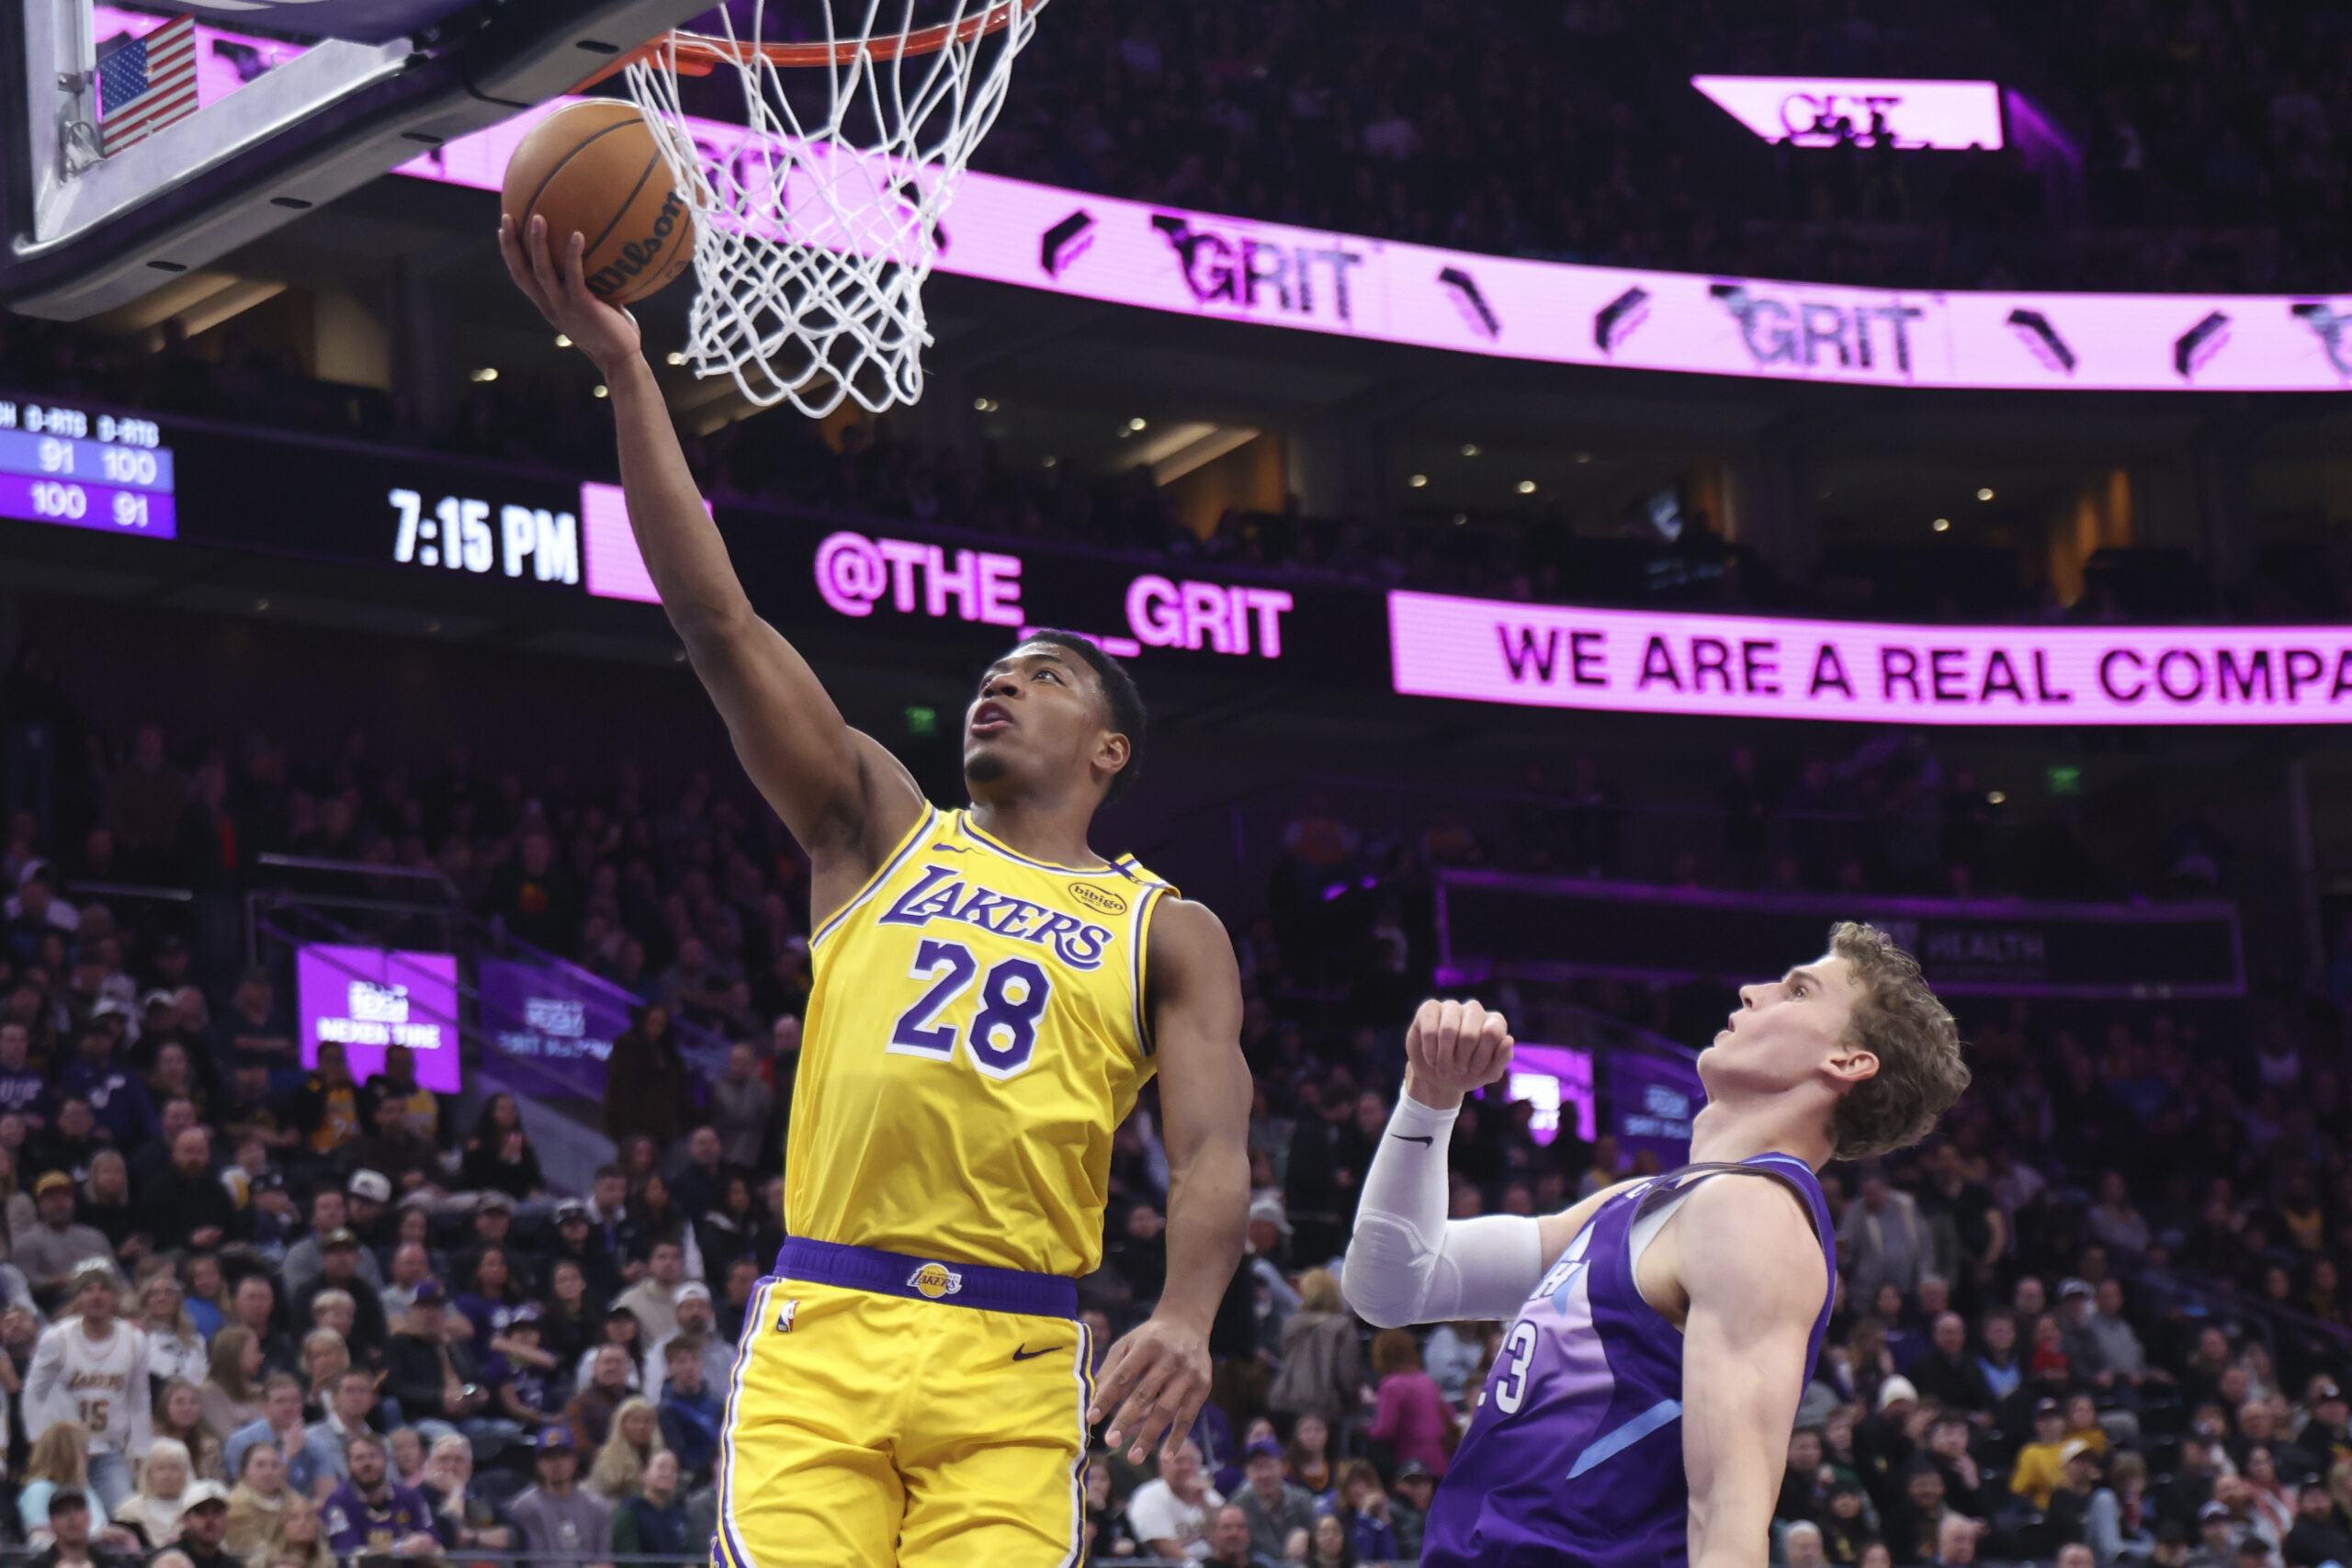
79	469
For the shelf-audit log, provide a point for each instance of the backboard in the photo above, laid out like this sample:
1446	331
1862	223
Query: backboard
304	103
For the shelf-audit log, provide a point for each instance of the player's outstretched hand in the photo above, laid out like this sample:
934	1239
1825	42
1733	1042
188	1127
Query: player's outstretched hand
1453	1048
1162	1371
552	275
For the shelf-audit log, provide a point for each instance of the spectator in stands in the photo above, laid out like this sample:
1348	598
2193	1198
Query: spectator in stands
351	1410
1170	1514
373	1514
652	1520
1885	1239
310	1466
1270	1506
153	1510
562	1527
433	1373
300	1537
57	1389
393	1146
1322	1365
654	1299
331	1109
645	1079
342	1272
258	1502
690	1408
470	1519
203	1524
1363	1509
255	1305
1412	1416
500	1157
741	1102
634	1436
254	1022
48	1255
67	1522
189	1208
590	1415
179	1416
2319	1534
1230	1541
175	1350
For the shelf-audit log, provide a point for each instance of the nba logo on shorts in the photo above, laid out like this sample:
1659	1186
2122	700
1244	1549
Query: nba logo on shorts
936	1280
783	1316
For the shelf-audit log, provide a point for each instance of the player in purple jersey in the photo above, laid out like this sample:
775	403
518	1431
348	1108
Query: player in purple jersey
1680	1309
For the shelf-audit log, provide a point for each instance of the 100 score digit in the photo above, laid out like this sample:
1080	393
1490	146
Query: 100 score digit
71	504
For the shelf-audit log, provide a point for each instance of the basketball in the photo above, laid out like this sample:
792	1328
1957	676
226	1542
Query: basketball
594	169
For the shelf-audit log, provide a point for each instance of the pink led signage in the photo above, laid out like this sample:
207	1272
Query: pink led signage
1130	252
1820	112
1638	661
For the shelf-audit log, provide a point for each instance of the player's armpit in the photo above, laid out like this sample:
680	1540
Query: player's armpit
1558	1230
1752	1271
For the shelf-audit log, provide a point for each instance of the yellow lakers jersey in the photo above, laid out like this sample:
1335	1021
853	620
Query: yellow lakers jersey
974	1033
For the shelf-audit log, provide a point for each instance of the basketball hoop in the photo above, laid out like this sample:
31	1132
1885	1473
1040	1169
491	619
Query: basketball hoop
815	231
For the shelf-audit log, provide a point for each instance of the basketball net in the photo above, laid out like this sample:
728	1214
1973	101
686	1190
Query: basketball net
815	231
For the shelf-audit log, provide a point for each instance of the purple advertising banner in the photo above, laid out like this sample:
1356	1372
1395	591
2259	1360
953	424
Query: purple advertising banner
561	1022
1651	1102
367	999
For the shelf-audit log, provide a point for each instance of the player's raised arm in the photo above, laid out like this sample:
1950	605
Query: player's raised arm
1158	1377
838	791
1408	1263
1744	1343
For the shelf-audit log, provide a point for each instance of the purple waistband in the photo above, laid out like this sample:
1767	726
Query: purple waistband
928	1279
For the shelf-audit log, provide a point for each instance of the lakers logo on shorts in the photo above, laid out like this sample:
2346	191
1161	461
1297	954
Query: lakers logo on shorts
934	1281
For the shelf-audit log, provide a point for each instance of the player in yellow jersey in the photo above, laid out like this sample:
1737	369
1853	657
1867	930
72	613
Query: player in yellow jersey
990	997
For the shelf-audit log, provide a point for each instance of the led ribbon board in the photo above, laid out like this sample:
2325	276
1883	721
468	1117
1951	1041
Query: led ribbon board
1196	264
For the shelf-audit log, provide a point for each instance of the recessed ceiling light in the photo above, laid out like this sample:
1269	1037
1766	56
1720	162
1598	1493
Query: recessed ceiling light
1985	493
603	390
1527	487
1469	448
1418	480
1941	525
1049	459
1460	518
562	340
1136	424
1584	457
674	358
487	373
1995	797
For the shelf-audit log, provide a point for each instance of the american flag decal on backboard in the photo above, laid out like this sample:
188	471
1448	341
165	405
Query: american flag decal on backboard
145	83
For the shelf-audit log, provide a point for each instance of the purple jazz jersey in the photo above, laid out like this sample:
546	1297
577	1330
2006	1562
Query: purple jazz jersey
1574	1458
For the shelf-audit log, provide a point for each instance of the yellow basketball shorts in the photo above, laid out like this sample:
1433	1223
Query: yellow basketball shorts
887	1409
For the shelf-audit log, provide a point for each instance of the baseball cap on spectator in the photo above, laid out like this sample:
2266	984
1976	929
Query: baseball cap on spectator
430	1293
2078	1449
66	1497
1266	1445
2047	1406
569	1210
1269	1209
157	998
372	1185
1409	1470
1897	1387
527	1315
90	1270
556	1436
52	1182
497	1200
108	1007
201	1493
691	1290
2073	1288
342	1235
2325	1390
2216	1509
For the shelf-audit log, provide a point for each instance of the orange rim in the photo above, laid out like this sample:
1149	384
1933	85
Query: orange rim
698	54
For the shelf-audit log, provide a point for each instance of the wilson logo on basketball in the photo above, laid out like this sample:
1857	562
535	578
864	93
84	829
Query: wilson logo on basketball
638	255
1097	899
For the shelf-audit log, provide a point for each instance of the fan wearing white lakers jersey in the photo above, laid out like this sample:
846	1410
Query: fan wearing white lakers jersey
92	1367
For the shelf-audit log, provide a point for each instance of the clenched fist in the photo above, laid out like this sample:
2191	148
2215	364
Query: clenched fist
1454	1047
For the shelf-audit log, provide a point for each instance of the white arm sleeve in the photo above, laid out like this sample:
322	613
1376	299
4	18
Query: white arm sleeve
1408	1263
